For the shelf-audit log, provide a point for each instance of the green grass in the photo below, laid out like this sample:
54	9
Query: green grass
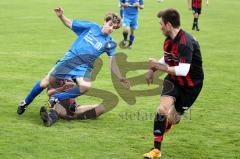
32	39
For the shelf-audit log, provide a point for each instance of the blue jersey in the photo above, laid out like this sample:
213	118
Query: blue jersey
90	43
131	10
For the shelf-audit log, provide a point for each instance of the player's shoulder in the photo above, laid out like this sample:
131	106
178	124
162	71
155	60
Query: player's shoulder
186	38
86	22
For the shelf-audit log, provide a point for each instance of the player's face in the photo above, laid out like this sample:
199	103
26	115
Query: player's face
164	28
108	27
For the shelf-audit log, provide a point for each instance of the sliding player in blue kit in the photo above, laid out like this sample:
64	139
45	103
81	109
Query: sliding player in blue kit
77	64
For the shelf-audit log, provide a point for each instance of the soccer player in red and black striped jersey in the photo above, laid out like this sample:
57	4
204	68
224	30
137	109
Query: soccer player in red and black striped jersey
182	62
196	7
68	108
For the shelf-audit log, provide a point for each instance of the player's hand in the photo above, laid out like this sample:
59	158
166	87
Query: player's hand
67	86
136	4
59	11
149	77
152	62
155	65
125	83
125	5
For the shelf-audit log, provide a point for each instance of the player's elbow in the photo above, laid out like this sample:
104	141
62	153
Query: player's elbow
182	69
184	74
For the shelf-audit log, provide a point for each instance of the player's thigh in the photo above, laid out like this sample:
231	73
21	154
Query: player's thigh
84	83
168	96
45	82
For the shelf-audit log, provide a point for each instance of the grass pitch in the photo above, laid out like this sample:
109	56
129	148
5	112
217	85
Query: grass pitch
32	39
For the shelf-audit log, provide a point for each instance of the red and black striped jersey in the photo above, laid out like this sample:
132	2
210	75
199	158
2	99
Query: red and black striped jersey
196	3
184	49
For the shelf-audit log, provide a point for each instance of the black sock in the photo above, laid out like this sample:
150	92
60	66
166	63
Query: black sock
195	23
125	35
72	107
159	129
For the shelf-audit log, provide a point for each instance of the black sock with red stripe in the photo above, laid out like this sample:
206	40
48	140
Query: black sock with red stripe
159	129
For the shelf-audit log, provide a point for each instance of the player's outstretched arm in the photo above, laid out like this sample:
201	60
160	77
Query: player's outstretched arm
181	70
59	12
114	68
206	2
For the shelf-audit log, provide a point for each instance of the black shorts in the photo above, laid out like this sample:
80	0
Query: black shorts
196	10
184	96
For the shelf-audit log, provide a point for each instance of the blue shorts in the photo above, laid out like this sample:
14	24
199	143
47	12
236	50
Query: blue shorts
70	69
130	21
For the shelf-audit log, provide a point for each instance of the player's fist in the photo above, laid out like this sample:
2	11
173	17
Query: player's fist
59	11
136	4
125	83
149	77
68	85
152	62
125	5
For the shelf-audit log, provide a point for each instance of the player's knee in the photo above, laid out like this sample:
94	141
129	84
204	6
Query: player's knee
132	31
44	82
174	118
84	88
61	111
125	29
162	110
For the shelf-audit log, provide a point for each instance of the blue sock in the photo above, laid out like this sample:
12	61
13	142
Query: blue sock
131	39
72	93
36	90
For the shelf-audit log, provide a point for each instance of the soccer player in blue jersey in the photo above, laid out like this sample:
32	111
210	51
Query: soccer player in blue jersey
130	20
77	64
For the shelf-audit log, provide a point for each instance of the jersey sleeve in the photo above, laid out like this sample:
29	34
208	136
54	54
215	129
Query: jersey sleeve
185	54
110	47
141	2
80	26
